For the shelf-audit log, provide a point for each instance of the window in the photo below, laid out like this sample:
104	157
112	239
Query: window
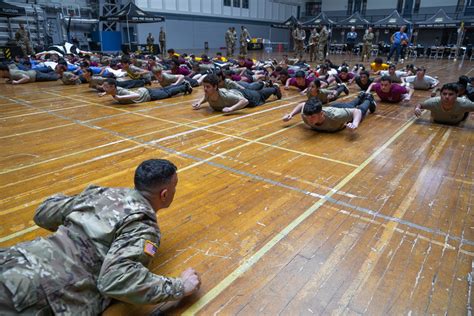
400	6
236	4
357	4
349	6
227	3
245	4
364	7
313	8
460	6
416	9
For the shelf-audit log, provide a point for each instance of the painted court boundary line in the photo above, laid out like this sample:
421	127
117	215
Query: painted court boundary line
239	271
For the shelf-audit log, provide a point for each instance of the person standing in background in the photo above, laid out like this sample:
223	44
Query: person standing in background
229	42
150	40
162	40
23	40
299	36
313	45
367	45
351	38
244	40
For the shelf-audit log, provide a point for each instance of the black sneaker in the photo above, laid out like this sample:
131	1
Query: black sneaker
346	89
361	96
372	104
189	89
268	83
278	91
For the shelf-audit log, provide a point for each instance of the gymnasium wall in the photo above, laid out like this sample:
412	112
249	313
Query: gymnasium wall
190	23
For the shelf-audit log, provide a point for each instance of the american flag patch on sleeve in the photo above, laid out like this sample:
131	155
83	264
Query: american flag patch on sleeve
150	248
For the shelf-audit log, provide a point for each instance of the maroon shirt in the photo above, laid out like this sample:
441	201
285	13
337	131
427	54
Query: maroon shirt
307	81
395	94
181	71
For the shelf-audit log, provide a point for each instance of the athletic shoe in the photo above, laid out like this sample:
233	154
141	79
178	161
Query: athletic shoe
268	84
372	104
278	91
189	89
361	96
346	89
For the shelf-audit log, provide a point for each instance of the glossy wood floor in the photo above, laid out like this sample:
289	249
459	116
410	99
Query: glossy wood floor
278	219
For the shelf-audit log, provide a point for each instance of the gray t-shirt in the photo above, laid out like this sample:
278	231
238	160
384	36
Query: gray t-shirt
424	84
168	79
335	120
453	116
17	74
226	98
396	77
323	95
231	84
144	95
68	78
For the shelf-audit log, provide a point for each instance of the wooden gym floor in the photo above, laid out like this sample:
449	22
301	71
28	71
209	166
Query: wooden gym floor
278	219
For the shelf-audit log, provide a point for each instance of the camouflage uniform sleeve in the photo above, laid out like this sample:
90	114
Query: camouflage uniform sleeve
124	274
52	212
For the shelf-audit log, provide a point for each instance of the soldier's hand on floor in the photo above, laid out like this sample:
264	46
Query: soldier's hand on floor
287	117
196	105
351	126
418	111
191	281
227	110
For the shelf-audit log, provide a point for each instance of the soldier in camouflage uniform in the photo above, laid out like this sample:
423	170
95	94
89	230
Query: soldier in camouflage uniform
323	43
229	42
299	36
313	44
103	242
23	40
162	40
367	46
244	40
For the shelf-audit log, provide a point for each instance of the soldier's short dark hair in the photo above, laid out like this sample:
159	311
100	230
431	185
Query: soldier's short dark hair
364	72
450	86
300	74
378	60
344	69
153	173
212	80
312	106
317	83
463	80
111	82
386	78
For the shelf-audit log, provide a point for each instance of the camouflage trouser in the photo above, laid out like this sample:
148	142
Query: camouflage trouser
321	52
243	48
163	47
20	289
299	49
313	49
230	51
26	48
366	49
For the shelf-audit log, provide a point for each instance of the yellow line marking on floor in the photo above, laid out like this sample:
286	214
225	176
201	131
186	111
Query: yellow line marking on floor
239	271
